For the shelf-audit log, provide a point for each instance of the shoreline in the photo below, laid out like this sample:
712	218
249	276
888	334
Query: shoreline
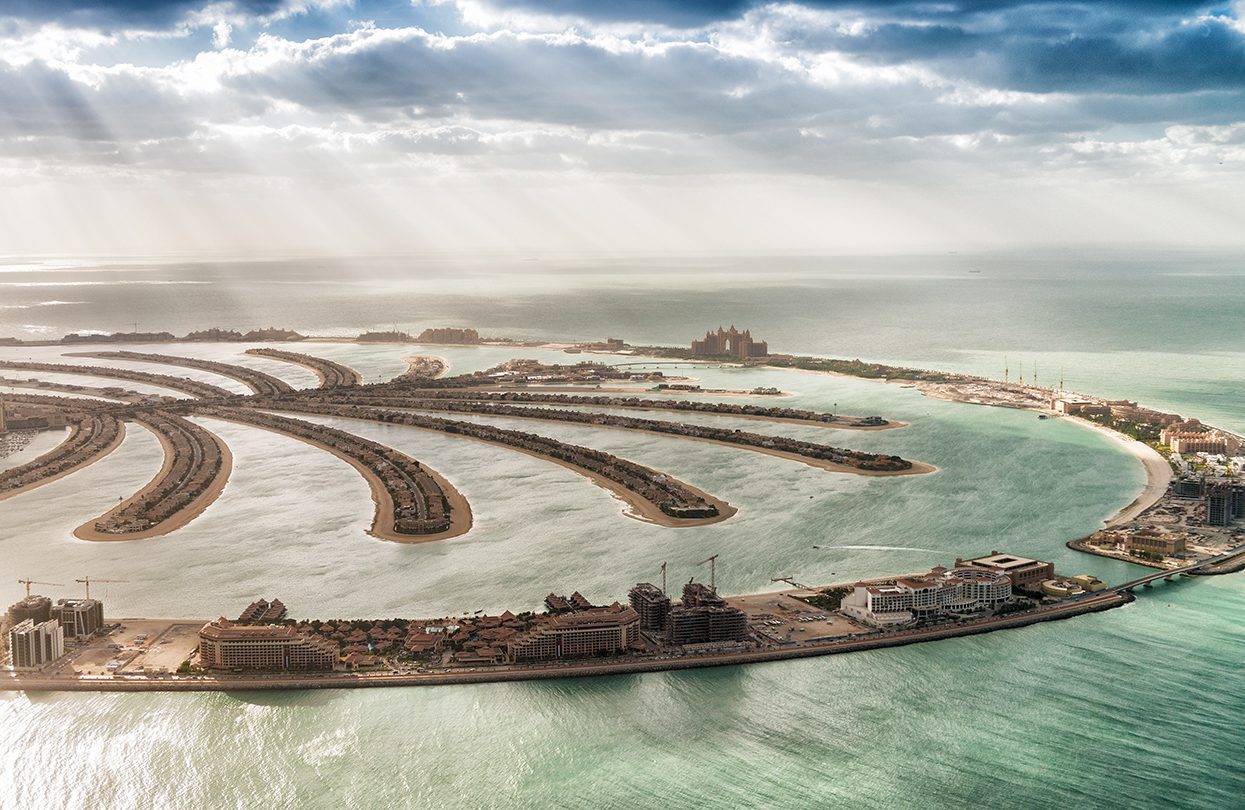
183	516
1085	605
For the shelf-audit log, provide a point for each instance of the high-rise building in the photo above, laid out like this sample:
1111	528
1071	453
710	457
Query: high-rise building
81	618
652	605
1219	506
38	608
34	645
704	617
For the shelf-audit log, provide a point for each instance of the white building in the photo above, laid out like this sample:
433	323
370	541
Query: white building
34	645
941	591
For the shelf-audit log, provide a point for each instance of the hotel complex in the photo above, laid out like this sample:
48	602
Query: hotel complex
225	645
730	342
940	592
595	631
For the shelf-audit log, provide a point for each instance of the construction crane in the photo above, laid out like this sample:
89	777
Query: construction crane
87	582
29	582
791	581
663	576
713	572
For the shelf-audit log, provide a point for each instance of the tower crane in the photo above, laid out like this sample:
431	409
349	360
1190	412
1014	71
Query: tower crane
28	582
87	582
713	572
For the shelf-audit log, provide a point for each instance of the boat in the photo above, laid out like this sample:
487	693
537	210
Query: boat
1043	416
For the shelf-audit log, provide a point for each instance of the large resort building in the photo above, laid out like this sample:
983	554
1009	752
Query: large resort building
581	633
940	592
225	645
730	342
1024	573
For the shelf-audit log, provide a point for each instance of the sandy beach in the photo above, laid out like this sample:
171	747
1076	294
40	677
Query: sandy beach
1158	471
183	516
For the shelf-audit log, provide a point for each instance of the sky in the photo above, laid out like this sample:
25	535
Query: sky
641	126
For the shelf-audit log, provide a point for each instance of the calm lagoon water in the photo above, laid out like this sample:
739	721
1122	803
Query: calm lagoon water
1136	707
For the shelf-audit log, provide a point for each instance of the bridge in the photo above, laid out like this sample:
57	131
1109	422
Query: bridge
1183	571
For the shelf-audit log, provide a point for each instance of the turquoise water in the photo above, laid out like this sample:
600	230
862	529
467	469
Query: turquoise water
1136	707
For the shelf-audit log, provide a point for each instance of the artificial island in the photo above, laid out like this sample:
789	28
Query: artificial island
1184	524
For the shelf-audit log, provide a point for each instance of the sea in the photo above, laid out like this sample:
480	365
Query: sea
1136	707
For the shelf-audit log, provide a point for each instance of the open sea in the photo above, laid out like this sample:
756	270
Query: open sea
1137	707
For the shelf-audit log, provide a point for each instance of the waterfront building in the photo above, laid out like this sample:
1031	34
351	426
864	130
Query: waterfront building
33	645
1157	541
730	342
1189	426
1061	588
225	645
81	618
942	591
596	631
38	608
704	617
1088	582
1212	442
652	605
706	624
1023	572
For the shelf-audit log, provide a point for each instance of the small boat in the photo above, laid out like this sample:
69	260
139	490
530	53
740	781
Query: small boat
1043	416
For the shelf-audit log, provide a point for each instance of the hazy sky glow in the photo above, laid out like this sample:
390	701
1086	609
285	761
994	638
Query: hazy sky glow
642	125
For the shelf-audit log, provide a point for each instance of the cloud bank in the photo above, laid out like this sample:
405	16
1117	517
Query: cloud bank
567	124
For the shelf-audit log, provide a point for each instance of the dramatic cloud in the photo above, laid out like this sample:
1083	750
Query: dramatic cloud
398	104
